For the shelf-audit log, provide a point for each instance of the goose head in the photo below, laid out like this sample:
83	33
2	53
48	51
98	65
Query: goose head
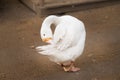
46	34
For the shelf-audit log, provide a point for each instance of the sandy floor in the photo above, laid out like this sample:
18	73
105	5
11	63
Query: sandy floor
19	34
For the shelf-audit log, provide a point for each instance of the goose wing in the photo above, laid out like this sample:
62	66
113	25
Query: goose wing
62	38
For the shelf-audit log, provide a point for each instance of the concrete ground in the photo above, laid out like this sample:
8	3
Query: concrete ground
19	34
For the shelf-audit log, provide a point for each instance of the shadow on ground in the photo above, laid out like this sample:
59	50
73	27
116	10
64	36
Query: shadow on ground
19	34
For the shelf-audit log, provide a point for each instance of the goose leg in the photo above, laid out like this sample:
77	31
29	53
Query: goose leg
66	67
70	67
73	68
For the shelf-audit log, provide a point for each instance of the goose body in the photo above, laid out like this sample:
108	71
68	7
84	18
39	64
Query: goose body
67	42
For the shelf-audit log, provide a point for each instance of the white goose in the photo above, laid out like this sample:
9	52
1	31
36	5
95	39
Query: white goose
67	42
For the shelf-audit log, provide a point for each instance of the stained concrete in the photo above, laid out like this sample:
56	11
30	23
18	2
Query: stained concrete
19	34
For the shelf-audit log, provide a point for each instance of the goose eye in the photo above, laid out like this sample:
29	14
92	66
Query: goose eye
43	34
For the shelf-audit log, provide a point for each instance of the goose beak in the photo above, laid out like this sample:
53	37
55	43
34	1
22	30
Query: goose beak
47	40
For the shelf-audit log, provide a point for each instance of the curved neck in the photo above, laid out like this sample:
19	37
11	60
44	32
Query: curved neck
50	20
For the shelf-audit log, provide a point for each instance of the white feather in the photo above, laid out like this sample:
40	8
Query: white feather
68	39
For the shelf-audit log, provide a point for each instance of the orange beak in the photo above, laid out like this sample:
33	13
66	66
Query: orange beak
47	39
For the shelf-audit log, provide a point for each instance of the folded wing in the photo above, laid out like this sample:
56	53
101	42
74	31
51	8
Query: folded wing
62	39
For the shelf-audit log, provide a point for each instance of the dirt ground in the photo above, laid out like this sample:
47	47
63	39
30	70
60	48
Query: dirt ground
19	34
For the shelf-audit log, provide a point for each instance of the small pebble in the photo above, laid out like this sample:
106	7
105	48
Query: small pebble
32	47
